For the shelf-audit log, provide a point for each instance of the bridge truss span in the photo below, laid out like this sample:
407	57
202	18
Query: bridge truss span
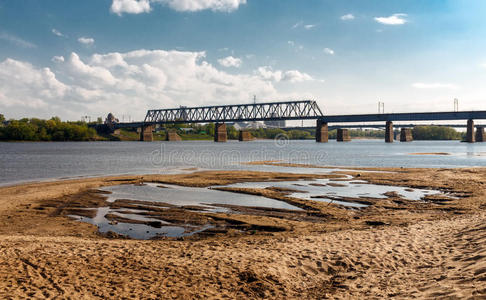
291	110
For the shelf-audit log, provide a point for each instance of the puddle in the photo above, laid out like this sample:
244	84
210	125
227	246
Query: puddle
152	210
342	188
185	196
168	196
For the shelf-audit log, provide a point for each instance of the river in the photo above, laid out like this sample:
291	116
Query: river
31	161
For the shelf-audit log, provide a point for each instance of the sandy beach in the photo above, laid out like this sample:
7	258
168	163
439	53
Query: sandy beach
391	249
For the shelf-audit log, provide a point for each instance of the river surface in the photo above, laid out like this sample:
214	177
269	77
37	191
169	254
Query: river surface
31	161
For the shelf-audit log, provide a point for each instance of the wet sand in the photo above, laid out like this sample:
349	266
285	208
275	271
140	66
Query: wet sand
393	248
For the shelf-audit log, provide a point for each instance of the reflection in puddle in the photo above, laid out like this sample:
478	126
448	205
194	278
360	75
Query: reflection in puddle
150	210
310	189
137	222
184	196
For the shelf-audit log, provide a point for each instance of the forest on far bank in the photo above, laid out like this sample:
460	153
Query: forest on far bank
45	130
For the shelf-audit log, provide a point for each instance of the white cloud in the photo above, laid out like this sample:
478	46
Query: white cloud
130	6
120	7
329	51
295	76
436	85
57	59
268	74
305	26
396	19
130	82
57	32
347	17
21	84
86	41
16	40
197	5
230	61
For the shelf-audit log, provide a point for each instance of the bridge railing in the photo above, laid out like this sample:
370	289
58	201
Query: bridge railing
291	110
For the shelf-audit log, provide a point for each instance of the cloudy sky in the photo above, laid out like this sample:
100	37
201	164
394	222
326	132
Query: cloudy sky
91	57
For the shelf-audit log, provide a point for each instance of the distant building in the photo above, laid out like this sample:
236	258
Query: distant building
247	125
275	124
187	130
110	121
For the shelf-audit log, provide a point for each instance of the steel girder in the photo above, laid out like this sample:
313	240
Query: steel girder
270	111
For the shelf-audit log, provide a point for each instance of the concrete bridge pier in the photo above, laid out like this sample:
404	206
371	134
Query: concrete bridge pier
322	135
343	135
146	134
172	136
470	136
406	135
389	135
480	136
220	134
245	136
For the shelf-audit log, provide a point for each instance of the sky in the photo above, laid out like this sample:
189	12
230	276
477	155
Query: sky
88	58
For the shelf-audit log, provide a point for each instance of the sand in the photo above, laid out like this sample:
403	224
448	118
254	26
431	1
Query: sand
427	259
431	249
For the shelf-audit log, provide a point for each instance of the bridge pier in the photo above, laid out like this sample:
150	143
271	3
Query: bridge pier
322	135
172	136
470	137
480	135
245	136
220	134
343	135
406	135
146	134
389	132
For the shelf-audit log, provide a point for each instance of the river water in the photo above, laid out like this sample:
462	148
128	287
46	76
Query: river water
30	161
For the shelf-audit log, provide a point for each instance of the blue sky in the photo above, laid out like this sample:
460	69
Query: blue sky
75	58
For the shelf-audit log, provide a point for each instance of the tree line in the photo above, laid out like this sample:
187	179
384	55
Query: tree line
45	130
436	133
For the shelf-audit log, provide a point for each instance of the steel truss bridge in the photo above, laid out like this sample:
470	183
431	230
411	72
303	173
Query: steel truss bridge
296	110
270	111
289	110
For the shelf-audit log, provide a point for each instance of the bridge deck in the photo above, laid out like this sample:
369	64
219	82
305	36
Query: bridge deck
422	116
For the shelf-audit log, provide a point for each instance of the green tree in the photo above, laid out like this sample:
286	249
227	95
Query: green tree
50	130
435	133
209	129
232	133
2	118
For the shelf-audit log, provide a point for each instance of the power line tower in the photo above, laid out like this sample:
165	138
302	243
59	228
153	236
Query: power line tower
381	107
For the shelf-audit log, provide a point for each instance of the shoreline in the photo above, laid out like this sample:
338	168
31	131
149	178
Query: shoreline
316	255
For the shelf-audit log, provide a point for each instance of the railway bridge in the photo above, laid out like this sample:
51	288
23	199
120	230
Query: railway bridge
298	110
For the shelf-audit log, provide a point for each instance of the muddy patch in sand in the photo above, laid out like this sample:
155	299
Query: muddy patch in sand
147	211
151	210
